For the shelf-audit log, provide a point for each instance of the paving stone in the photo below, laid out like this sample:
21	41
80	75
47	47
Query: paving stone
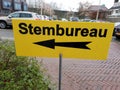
87	74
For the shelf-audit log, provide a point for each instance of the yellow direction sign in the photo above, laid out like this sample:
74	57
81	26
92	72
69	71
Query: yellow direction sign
72	39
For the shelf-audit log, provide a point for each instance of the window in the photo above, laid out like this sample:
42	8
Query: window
110	12
25	8
119	10
7	4
16	0
15	15
26	15
23	0
116	11
17	6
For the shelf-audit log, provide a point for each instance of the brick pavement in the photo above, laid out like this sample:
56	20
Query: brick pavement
87	74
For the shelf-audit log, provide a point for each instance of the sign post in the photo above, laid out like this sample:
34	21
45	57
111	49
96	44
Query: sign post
73	39
60	71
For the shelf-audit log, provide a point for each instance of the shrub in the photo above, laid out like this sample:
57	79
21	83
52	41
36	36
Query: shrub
20	73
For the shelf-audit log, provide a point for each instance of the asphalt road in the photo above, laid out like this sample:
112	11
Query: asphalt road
6	34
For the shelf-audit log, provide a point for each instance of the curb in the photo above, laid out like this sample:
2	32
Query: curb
6	38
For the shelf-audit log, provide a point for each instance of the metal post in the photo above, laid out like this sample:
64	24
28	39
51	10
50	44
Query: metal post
60	71
98	11
41	8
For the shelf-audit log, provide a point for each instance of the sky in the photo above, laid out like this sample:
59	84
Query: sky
74	4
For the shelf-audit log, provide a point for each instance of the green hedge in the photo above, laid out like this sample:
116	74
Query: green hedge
20	73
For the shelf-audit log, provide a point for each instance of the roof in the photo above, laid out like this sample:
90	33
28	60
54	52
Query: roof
118	7
98	7
24	12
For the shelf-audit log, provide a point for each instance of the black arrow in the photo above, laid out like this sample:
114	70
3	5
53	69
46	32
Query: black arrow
51	44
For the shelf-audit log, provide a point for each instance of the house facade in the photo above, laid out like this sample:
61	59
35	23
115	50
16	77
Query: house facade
8	6
94	9
114	12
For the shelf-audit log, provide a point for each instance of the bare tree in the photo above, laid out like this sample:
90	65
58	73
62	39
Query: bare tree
54	6
48	10
82	10
30	4
40	7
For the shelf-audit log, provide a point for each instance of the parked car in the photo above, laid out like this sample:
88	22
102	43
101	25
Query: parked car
117	30
7	20
64	19
115	24
41	17
87	20
74	19
46	17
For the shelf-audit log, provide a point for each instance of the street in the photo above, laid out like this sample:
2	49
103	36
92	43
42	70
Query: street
83	74
6	34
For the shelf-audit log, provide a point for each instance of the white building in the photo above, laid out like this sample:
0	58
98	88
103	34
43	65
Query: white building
114	12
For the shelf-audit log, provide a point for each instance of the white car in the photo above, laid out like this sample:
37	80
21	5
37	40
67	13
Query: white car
7	21
64	19
41	17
